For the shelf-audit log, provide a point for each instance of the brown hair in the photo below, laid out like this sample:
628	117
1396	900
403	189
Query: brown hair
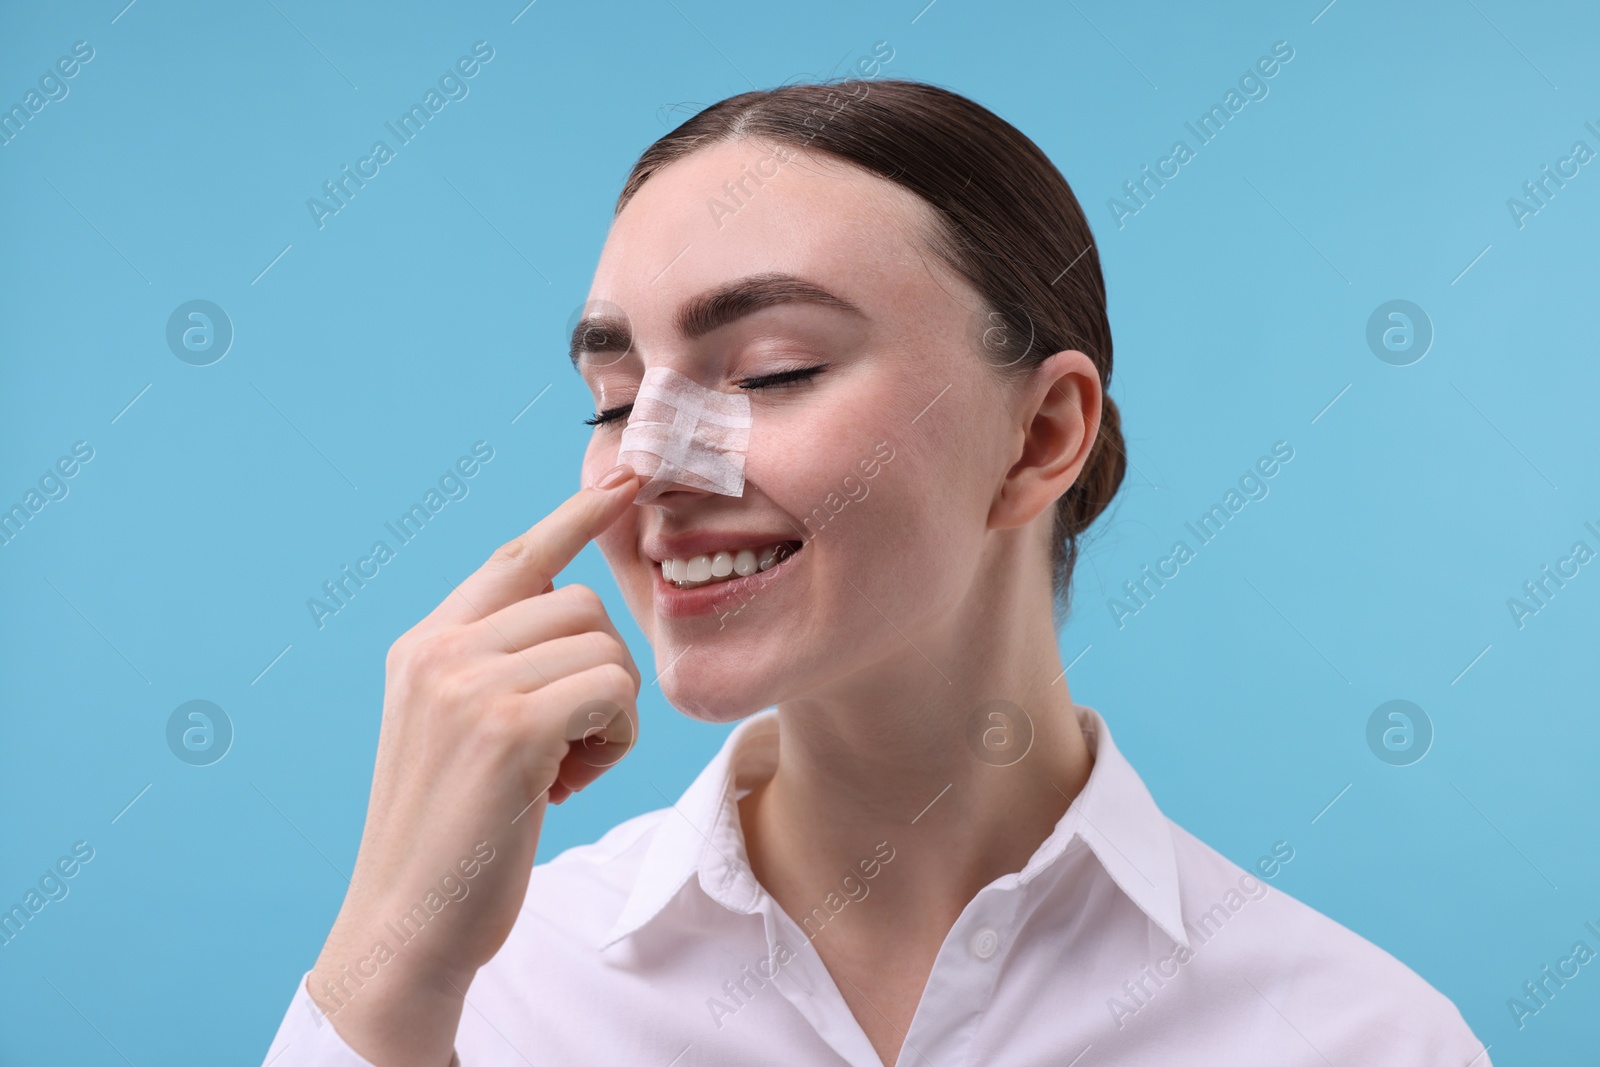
1010	225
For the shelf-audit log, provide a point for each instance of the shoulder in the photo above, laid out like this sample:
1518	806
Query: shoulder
1350	997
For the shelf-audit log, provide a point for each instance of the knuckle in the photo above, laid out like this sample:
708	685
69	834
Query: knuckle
434	651
583	598
407	651
512	552
616	683
398	653
459	685
503	723
435	660
604	646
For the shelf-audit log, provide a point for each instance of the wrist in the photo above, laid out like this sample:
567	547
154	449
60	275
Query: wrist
394	1004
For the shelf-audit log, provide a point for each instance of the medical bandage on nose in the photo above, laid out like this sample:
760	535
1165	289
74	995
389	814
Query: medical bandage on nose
682	434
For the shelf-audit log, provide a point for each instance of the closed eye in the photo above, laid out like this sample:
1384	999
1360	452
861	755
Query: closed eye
600	418
778	380
782	378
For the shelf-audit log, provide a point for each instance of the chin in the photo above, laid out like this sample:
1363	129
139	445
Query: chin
712	695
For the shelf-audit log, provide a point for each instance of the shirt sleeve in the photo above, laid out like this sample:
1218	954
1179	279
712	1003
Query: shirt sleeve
306	1038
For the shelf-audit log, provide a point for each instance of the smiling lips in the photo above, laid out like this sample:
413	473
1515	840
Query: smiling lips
710	568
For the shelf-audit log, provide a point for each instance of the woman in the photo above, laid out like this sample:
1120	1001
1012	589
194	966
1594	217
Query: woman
921	851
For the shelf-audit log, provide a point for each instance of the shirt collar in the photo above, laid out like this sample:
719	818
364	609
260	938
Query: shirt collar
1114	814
700	835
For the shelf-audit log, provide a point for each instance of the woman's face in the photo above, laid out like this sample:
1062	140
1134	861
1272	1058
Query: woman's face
874	458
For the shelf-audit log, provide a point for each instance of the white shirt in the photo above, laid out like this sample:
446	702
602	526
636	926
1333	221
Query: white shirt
1124	940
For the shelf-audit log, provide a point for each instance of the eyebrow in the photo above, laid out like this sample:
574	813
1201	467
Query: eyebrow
709	311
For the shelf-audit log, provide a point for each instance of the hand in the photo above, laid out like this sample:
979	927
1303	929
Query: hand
503	698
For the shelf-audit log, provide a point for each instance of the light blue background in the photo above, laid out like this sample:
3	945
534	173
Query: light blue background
376	350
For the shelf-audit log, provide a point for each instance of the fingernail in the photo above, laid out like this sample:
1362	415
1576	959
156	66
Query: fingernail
615	476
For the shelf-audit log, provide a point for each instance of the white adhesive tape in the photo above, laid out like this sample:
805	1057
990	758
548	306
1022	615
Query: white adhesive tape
682	434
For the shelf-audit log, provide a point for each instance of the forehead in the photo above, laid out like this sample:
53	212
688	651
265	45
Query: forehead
744	207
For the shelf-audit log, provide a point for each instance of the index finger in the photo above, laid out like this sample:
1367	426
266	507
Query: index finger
528	564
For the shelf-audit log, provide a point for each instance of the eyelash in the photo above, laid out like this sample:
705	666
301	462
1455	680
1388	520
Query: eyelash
785	379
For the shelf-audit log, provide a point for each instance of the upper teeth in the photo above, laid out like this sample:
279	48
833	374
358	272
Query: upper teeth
704	569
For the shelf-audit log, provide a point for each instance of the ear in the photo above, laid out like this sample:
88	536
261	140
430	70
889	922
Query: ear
1057	420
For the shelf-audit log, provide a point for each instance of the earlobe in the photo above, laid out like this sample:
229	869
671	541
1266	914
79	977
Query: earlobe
1059	415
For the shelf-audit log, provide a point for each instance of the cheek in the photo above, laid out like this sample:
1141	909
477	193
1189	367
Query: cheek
616	543
922	523
806	452
799	463
909	515
777	462
601	454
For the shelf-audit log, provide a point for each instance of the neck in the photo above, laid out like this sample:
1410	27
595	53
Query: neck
930	758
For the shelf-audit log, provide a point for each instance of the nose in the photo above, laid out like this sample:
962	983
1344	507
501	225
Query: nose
682	436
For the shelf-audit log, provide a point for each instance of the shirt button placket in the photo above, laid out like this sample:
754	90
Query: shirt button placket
965	974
